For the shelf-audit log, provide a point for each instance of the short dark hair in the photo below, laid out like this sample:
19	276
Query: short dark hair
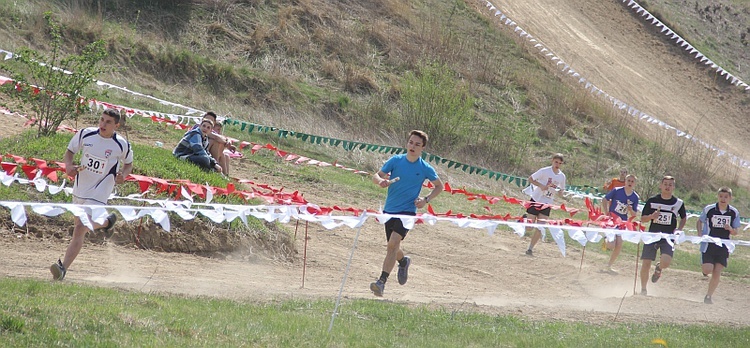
210	114
113	113
422	135
559	156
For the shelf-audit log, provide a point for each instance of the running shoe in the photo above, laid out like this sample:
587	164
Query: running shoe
657	274
403	270
377	288
58	270
111	218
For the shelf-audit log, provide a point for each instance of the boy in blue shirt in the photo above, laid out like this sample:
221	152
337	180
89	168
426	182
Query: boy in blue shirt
403	175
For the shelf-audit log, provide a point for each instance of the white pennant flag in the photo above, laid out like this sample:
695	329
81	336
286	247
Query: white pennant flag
209	194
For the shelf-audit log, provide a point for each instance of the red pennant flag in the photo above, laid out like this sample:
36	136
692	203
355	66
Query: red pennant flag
9	168
29	170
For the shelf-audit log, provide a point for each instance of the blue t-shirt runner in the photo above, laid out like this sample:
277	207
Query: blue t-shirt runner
404	176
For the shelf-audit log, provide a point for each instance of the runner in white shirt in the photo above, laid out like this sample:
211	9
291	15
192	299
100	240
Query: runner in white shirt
547	182
106	159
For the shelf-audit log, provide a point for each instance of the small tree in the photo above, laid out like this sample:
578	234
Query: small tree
52	86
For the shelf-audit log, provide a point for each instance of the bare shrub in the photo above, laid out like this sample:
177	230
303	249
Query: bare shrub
332	69
357	80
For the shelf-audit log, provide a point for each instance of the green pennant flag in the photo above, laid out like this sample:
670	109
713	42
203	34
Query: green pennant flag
484	172
317	140
518	181
491	175
236	122
244	125
304	137
471	169
393	150
450	164
282	134
524	183
443	160
465	166
362	146
335	142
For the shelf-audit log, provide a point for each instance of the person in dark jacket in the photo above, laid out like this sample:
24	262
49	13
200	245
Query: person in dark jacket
192	147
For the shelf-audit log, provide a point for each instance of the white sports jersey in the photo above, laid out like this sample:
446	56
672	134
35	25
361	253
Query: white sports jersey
547	176
101	159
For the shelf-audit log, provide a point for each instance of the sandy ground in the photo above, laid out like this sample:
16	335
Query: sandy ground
452	267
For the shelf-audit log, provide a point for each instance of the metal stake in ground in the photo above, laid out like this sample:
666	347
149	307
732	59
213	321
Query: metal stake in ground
343	281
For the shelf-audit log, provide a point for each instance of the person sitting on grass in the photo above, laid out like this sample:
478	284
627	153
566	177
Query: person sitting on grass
193	145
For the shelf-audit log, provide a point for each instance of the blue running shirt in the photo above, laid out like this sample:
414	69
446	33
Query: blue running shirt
401	194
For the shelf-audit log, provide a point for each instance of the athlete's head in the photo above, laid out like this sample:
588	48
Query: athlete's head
667	184
725	195
623	173
109	122
630	180
416	143
557	161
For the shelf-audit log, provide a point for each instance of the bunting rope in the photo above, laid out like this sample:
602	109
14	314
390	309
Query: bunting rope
285	213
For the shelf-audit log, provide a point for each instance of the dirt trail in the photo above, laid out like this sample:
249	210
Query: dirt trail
624	57
461	268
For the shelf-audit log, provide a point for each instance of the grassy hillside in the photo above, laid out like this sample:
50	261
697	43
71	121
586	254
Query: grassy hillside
366	71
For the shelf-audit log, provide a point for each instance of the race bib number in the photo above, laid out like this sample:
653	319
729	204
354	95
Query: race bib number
549	192
664	218
621	208
94	164
720	221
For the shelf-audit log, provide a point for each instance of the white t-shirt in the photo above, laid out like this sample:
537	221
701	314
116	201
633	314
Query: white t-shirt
101	158
547	176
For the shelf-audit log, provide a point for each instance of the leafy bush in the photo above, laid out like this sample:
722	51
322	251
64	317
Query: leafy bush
433	102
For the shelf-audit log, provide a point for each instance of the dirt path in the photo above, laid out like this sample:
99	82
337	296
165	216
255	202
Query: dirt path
615	51
458	268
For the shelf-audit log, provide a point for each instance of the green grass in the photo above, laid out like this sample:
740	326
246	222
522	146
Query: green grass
42	314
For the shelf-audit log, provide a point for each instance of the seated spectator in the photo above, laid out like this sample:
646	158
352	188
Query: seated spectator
192	147
217	145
